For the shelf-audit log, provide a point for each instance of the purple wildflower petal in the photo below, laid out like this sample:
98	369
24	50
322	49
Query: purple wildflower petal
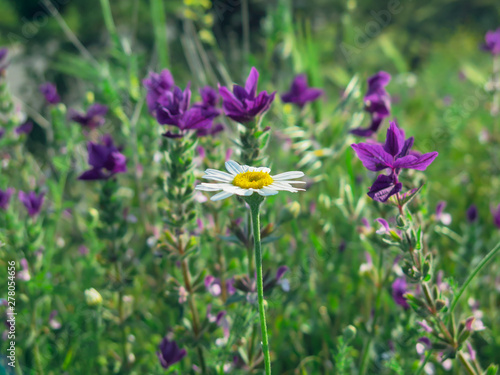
385	226
373	157
419	163
49	91
25	128
399	289
472	213
383	188
395	140
280	272
5	197
251	83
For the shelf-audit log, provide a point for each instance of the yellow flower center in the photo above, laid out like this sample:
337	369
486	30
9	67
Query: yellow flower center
252	180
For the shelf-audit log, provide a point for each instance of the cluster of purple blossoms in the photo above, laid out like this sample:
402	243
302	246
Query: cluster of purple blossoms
32	201
399	289
25	128
5	197
209	102
3	61
472	213
393	156
214	287
105	159
171	106
92	119
169	353
495	211
377	103
244	104
49	91
492	40
300	93
156	84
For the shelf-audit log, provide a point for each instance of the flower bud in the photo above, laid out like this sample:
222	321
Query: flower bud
440	304
92	297
349	333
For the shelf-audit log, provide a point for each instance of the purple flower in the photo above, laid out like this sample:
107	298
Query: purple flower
3	60
49	91
5	197
174	110
214	129
425	326
496	215
32	202
280	272
399	289
284	283
214	287
156	85
183	295
472	213
300	93
244	104
105	159
24	274
25	128
53	323
377	99
209	97
442	216
394	156
473	324
423	344
377	103
375	123
492	44
93	118
169	353
471	351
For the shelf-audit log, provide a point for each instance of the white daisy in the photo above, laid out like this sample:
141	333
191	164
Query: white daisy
244	181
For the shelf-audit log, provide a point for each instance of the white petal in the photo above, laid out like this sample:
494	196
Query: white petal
260	169
292	182
214	174
285	187
266	191
288	175
213	186
243	192
233	167
207	187
221	195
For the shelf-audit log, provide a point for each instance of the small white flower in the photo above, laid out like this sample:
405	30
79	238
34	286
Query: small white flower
244	181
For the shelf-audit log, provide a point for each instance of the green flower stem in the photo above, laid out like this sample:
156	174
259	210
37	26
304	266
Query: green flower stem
36	348
254	201
160	31
495	106
368	344
109	22
194	312
473	274
121	318
470	370
422	366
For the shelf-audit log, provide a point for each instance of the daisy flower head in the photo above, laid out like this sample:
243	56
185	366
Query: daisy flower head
243	180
